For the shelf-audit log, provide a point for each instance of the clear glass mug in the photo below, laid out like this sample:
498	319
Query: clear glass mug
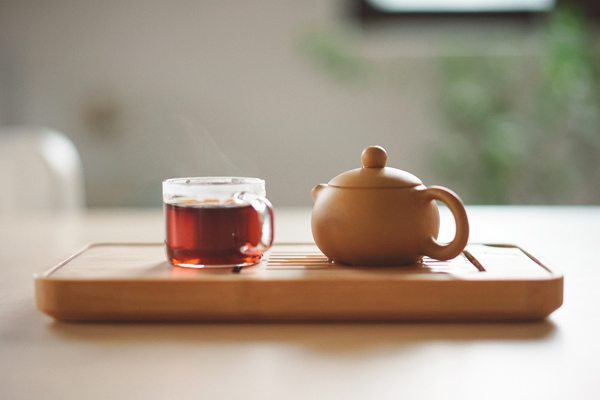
216	221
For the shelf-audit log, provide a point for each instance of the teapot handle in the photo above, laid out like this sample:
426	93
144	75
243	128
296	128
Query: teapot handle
448	251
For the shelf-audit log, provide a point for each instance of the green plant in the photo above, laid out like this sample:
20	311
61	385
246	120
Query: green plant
526	129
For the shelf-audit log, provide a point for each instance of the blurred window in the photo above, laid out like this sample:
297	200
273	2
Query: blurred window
370	11
450	6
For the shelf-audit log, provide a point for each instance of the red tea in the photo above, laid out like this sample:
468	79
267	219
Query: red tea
200	234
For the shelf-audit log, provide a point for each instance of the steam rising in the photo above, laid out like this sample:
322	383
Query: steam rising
201	155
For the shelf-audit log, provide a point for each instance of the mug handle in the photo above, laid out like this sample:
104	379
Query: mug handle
448	251
264	209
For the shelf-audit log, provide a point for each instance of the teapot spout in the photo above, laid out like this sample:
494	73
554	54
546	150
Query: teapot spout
315	192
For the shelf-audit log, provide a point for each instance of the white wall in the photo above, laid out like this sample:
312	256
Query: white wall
156	89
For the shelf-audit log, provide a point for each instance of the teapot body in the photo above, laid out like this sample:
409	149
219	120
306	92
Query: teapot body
375	226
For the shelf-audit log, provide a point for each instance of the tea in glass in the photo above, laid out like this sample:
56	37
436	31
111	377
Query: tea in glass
216	222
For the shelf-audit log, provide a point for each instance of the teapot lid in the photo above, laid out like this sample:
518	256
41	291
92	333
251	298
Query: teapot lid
374	173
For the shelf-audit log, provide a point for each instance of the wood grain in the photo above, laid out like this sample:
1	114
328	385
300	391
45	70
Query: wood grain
134	282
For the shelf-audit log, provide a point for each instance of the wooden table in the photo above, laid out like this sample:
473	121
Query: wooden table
554	359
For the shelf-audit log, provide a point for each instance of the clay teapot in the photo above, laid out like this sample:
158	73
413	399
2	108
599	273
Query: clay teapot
381	216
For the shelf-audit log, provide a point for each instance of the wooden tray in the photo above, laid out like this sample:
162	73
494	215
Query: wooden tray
134	282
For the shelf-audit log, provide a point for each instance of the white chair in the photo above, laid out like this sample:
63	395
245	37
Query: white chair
40	169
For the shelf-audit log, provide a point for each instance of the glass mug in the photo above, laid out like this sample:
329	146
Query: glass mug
216	221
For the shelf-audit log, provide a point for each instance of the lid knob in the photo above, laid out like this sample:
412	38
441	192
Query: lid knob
373	157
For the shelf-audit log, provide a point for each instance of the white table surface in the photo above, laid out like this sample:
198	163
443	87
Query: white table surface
558	358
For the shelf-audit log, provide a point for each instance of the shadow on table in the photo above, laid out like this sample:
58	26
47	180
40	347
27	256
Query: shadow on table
324	337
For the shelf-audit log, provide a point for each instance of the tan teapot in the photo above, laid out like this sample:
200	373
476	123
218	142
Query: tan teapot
379	216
